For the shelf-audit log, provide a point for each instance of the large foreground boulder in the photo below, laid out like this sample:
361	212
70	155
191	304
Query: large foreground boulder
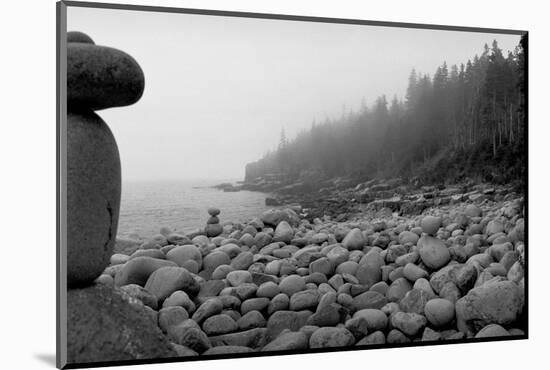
103	325
498	302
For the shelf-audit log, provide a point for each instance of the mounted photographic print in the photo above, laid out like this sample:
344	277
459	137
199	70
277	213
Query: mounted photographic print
237	184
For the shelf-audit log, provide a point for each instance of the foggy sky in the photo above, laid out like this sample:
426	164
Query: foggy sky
218	90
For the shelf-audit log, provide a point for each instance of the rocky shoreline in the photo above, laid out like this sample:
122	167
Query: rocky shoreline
283	282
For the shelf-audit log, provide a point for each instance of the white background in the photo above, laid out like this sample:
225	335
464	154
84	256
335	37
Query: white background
27	207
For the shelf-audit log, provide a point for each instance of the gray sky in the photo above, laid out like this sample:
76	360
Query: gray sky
218	90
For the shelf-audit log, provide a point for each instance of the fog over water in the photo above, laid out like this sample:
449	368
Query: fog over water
220	89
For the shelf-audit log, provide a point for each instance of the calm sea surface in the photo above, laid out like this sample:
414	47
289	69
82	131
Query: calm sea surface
182	206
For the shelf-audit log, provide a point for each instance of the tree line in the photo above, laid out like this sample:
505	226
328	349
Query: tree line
466	120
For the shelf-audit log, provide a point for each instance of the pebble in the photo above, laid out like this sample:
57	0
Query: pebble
492	330
412	272
190	335
303	300
137	270
292	284
408	323
329	337
439	312
171	316
354	240
184	253
433	252
219	324
252	319
287	341
211	307
283	232
236	278
430	224
166	280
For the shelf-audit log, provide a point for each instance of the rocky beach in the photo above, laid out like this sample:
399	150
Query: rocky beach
281	282
339	263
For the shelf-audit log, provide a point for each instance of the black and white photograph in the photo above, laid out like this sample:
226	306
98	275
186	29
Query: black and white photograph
239	184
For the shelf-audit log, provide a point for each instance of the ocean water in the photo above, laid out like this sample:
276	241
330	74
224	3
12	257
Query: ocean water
146	206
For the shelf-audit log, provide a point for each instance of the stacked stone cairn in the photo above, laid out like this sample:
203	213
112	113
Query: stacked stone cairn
103	324
281	282
213	227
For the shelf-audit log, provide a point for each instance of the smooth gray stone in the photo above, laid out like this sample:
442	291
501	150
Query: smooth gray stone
100	77
93	196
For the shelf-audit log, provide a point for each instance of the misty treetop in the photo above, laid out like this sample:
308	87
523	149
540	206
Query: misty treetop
465	121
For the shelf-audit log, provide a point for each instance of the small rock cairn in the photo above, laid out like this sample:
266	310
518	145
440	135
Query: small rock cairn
213	227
